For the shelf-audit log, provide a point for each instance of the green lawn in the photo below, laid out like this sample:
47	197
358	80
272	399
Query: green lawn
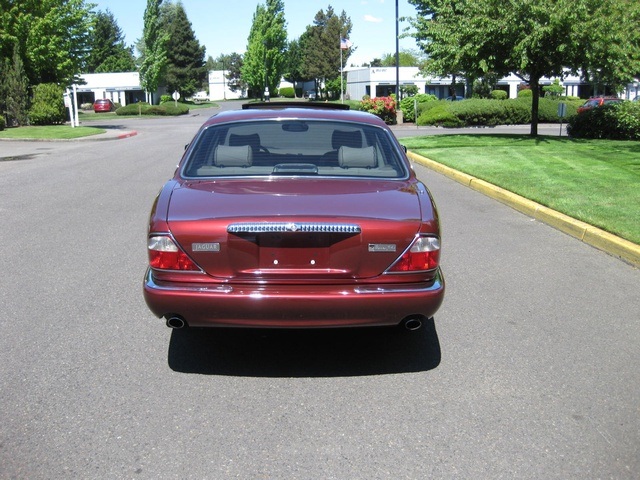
50	132
596	181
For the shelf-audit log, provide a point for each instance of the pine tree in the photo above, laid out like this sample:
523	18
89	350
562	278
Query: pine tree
14	91
108	50
186	70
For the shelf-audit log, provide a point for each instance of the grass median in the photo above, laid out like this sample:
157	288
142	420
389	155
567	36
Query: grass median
595	181
50	132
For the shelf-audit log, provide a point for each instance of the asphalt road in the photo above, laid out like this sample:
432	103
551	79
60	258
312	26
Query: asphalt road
530	370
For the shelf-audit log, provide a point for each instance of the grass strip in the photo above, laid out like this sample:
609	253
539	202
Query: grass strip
50	132
595	181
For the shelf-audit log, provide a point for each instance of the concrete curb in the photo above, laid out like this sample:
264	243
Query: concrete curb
607	242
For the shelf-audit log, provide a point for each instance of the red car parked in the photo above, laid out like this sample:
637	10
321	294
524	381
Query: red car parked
103	105
294	217
595	102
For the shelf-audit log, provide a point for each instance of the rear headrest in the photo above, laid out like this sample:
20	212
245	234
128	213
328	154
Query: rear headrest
252	139
357	157
226	156
346	138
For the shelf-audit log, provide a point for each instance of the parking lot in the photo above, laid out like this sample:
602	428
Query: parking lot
529	370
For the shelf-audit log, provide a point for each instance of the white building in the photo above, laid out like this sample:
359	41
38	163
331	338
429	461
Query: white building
381	81
122	87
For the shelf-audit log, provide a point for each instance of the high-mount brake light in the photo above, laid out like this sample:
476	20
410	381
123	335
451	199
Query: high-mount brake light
164	254
424	254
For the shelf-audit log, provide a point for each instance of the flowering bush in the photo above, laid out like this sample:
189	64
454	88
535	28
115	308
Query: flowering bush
383	107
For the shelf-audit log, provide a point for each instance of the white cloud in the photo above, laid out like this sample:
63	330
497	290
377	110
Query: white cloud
371	18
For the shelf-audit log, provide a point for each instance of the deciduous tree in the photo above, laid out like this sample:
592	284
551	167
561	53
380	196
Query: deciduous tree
264	60
322	51
51	35
153	48
530	38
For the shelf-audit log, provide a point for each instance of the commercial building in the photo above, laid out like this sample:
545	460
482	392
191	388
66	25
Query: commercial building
381	81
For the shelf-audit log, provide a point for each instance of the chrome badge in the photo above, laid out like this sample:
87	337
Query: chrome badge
205	247
382	247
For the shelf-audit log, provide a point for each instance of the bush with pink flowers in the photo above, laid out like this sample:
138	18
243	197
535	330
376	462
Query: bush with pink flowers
383	107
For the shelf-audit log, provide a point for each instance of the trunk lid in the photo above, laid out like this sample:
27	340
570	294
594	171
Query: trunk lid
294	230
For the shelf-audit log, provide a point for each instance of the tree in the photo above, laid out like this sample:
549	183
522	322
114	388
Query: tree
153	48
52	37
264	60
531	39
14	90
294	68
231	64
408	58
185	72
108	52
322	51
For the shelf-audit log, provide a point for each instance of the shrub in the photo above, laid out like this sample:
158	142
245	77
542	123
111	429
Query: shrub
499	94
47	107
614	122
171	108
525	92
168	108
407	105
439	115
478	112
288	92
165	98
383	107
2	123
133	109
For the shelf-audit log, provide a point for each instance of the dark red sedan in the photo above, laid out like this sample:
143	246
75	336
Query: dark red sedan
294	217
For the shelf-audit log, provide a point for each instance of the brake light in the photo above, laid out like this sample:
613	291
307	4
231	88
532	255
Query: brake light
164	254
424	254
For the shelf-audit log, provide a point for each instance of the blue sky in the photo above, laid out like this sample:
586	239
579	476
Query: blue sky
223	26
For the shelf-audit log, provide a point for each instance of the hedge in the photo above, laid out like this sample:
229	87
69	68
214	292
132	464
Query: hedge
143	108
287	92
486	112
614	121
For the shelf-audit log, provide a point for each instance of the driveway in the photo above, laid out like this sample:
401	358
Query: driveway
529	371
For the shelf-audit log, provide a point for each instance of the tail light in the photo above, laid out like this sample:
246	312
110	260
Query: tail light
424	254
164	254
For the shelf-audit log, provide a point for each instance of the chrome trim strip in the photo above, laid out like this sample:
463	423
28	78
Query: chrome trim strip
364	290
436	285
151	283
273	227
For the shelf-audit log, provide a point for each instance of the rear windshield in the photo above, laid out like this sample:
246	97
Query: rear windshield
294	147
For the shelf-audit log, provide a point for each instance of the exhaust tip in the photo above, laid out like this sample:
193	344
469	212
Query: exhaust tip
175	322
413	323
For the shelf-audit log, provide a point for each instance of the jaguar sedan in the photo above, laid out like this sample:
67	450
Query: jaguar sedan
285	216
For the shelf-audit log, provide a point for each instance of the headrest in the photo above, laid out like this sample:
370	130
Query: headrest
346	138
226	156
357	157
252	139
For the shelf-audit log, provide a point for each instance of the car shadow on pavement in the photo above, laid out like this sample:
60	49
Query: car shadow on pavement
304	353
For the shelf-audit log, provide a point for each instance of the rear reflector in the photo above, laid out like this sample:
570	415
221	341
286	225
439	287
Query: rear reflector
164	254
424	254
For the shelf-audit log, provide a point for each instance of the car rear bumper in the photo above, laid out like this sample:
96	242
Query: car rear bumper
294	306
